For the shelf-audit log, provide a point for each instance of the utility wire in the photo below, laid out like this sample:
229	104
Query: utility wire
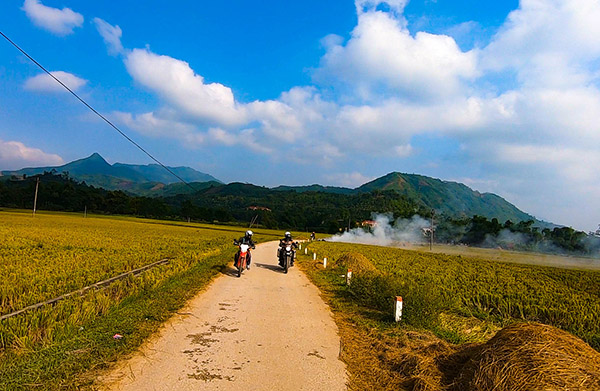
95	112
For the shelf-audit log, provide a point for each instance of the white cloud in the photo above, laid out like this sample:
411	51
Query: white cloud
331	40
364	6
351	180
43	82
111	35
277	119
317	151
15	155
403	151
61	22
547	42
575	165
221	136
526	103
155	126
163	125
182	88
383	57
244	139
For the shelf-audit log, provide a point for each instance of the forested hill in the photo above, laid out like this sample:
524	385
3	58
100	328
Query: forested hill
451	198
240	203
236	202
448	198
148	179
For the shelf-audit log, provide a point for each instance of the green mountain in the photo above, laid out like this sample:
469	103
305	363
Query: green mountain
152	189
149	180
157	173
449	198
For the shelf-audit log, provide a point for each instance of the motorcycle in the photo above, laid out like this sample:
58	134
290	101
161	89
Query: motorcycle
286	255
242	258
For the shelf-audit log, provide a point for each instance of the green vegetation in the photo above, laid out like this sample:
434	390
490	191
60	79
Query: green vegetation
442	293
296	210
447	198
236	202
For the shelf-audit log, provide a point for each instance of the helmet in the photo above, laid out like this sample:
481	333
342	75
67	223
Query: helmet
288	235
248	233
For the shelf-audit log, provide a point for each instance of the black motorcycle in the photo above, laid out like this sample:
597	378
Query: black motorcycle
286	255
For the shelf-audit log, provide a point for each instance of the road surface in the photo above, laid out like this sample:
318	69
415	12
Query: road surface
264	331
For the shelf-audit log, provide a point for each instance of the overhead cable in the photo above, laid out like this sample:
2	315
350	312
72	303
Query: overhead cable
96	112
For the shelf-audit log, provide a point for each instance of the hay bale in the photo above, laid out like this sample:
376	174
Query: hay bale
357	262
528	357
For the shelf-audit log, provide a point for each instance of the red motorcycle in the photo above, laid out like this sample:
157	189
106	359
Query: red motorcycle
242	257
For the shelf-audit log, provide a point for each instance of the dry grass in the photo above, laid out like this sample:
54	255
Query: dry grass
521	357
531	357
383	356
357	262
513	256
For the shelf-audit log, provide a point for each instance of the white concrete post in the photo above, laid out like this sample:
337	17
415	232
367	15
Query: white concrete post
398	308
348	276
305	251
324	263
314	256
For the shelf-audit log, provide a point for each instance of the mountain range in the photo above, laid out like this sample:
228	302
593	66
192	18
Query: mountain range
149	180
450	198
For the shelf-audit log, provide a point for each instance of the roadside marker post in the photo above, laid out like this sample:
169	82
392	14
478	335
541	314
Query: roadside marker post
398	308
348	276
314	256
324	263
305	251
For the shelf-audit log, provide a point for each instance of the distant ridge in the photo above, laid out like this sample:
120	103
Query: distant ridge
450	198
148	179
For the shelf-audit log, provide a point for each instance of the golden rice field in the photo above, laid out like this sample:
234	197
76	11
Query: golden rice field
455	295
50	254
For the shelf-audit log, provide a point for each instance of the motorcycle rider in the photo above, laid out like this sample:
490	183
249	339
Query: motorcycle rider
246	239
283	243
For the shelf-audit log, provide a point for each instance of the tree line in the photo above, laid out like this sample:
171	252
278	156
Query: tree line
290	210
237	203
522	235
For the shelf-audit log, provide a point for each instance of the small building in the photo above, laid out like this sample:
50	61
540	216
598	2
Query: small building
368	223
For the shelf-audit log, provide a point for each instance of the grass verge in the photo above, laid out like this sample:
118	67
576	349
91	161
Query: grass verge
371	344
439	336
74	363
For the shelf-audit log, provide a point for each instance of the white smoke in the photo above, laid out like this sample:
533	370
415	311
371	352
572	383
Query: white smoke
506	239
386	232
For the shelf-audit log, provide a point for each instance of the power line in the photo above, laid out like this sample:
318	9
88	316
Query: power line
95	112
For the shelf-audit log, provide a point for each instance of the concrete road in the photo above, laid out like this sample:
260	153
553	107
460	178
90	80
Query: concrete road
264	331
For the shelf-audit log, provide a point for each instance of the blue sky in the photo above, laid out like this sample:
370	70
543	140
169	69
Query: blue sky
500	95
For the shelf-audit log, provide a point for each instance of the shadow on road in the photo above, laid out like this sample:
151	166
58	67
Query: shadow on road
230	271
275	268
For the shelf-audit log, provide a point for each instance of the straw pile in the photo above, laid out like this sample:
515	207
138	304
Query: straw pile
356	262
528	357
520	357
